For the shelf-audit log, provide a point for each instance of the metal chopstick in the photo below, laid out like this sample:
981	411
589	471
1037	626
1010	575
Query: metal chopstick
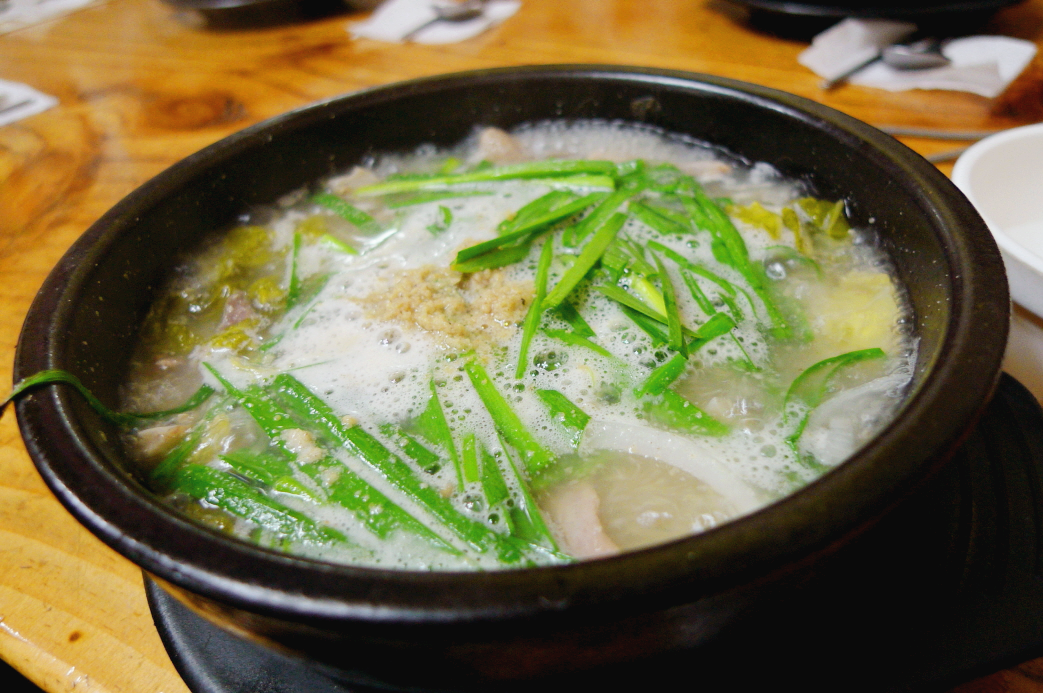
937	134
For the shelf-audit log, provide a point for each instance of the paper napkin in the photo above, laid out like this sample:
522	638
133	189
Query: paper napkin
982	65
396	19
15	14
19	101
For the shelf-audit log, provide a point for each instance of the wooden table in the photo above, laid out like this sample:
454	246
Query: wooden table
142	86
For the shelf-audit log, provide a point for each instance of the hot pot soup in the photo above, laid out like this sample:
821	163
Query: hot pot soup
553	344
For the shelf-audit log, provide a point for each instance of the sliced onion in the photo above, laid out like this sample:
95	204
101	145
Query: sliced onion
683	453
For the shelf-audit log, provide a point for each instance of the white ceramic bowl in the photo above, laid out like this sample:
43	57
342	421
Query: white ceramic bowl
1002	175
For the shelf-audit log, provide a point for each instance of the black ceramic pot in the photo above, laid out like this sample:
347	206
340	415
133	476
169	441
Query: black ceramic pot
467	631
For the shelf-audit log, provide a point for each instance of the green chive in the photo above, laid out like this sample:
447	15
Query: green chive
567	312
672	410
810	387
49	377
590	254
533	315
337	244
663	376
345	210
565	412
535	456
536	169
675	335
224	491
574	339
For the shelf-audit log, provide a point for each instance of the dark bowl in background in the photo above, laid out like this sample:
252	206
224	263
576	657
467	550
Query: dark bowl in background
471	630
908	10
246	14
803	19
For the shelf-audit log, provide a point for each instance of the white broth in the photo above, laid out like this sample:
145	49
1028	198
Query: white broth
536	347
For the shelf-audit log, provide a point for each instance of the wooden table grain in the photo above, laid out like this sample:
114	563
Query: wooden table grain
142	86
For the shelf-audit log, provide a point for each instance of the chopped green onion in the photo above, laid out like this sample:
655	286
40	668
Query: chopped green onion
290	485
501	257
697	293
536	169
581	181
308	290
469	458
663	376
315	413
224	491
679	224
672	410
654	219
809	388
445	218
590	254
265	468
337	244
528	522
648	325
530	227
574	339
532	316
348	490
534	210
493	486
564	411
567	312
608	206
675	336
747	362
621	296
687	264
647	292
293	294
49	377
717	325
535	456
375	511
345	210
432	425
414	450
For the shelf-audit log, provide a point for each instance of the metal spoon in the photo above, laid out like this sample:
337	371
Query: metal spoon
453	12
918	55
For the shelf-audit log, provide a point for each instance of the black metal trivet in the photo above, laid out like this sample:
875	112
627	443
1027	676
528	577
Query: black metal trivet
946	589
